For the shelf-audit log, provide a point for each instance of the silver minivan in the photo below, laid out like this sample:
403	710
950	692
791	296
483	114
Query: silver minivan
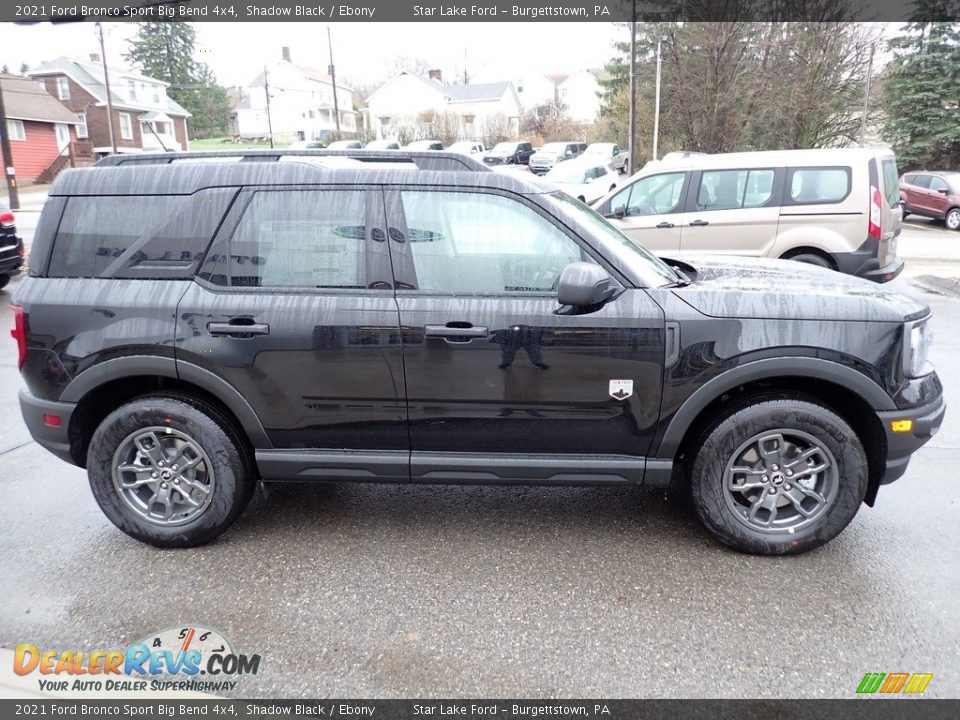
837	208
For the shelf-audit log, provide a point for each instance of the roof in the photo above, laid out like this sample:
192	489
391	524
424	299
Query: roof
90	76
308	72
24	99
478	92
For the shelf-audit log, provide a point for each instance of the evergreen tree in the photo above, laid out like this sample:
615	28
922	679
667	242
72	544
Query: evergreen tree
922	91
165	50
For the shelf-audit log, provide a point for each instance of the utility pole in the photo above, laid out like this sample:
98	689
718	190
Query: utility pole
633	88
266	92
656	110
106	84
333	80
866	96
9	171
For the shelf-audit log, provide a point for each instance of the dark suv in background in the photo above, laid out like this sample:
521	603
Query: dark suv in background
188	329
509	153
11	246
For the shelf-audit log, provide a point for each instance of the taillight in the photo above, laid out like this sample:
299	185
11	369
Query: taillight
873	224
7	219
21	250
19	333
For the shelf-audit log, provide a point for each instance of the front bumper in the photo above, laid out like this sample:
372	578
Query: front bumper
925	422
54	439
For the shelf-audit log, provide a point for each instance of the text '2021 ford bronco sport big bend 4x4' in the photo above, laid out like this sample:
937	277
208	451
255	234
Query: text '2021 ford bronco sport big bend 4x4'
189	328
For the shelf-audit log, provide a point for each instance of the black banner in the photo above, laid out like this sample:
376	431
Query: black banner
857	709
479	10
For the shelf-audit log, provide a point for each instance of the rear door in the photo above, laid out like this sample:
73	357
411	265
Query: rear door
651	210
732	212
294	307
491	370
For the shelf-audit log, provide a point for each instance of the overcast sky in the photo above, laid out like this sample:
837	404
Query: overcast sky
237	51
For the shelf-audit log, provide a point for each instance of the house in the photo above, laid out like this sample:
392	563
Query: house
41	129
579	93
409	100
535	90
301	105
144	117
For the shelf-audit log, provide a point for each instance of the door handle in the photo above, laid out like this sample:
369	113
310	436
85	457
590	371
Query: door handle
238	327
452	333
664	225
699	223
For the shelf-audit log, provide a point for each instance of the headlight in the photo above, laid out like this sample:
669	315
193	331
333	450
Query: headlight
917	338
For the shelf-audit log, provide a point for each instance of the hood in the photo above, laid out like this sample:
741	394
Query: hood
546	155
788	290
500	153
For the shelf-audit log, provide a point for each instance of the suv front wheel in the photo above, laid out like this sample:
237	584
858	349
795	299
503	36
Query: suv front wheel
778	476
169	470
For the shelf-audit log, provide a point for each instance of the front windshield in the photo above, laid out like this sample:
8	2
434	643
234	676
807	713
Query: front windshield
553	148
651	269
563	173
504	148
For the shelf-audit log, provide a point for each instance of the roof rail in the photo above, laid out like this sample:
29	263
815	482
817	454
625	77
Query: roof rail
424	160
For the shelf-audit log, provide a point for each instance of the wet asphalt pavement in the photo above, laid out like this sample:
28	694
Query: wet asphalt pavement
379	591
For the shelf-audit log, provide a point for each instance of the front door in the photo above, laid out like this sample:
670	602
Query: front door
63	138
294	307
650	211
491	370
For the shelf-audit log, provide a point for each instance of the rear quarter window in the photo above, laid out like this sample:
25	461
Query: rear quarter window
891	185
817	186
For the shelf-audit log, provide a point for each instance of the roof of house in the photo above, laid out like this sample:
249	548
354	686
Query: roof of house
308	72
478	92
90	76
24	99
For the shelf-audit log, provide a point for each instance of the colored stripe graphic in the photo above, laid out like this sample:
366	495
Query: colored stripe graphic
918	683
894	682
871	682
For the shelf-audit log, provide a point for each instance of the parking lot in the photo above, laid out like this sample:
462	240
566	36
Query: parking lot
375	590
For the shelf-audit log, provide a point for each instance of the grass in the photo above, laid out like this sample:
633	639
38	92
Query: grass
228	144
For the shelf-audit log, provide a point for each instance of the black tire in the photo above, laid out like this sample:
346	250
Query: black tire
952	219
812	259
4	280
724	512
230	485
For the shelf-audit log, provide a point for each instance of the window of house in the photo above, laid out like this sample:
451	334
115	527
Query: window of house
126	126
63	88
82	132
156	94
478	243
132	89
16	130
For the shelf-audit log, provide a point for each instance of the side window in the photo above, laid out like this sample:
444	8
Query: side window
298	238
477	243
910	179
922	181
811	186
616	150
938	184
890	183
734	189
653	195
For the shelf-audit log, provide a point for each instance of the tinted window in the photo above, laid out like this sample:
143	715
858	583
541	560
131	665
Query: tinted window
922	181
733	189
937	184
298	238
910	179
653	195
890	184
474	243
809	186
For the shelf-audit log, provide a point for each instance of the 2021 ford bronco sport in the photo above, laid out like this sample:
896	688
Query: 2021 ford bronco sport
191	326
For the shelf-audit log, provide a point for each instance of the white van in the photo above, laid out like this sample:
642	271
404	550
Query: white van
837	208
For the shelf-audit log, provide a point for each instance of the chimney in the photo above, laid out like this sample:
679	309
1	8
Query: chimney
436	75
286	54
95	57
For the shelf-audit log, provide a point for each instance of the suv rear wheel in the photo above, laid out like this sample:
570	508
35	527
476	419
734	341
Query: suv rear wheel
778	476
169	470
952	219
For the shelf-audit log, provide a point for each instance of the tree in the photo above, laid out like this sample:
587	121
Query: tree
165	50
921	96
23	68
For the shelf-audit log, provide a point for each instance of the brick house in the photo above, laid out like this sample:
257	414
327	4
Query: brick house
40	128
145	119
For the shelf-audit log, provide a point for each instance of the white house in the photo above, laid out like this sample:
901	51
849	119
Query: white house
407	100
535	90
580	94
301	104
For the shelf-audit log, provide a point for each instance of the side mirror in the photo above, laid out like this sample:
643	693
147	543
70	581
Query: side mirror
944	191
618	212
585	285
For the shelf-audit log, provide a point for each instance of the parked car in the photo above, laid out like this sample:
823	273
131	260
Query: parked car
509	153
307	145
552	153
424	145
467	147
11	245
382	145
585	178
838	208
189	330
345	145
619	161
934	194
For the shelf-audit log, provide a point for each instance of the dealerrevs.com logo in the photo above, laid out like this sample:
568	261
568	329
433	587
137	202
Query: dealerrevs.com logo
189	658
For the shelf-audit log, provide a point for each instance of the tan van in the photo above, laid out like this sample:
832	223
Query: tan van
837	208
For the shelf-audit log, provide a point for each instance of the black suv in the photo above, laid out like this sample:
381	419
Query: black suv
11	246
190	328
509	153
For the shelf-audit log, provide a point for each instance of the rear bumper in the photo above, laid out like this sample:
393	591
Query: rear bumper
10	258
926	421
54	439
863	262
